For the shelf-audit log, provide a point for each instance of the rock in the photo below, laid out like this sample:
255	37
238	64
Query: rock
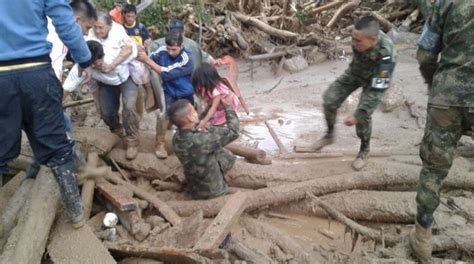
295	64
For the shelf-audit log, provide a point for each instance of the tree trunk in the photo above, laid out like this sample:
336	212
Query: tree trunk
384	175
27	241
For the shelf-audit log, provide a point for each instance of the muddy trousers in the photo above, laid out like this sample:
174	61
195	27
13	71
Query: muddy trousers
110	105
338	91
32	101
444	128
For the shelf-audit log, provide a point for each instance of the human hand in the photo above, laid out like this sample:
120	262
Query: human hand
86	74
350	121
106	68
142	56
202	125
217	62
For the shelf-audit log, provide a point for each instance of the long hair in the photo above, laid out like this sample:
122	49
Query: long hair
206	76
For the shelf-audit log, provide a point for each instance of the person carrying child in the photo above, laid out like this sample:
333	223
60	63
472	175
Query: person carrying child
211	88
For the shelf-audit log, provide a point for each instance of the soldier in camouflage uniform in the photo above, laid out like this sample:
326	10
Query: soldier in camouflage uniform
448	32
371	68
202	153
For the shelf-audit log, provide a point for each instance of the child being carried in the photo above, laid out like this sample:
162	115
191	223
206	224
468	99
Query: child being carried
212	89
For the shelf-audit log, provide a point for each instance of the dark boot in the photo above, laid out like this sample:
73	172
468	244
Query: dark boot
362	158
32	169
66	177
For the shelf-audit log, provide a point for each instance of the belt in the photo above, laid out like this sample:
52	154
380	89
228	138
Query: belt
21	66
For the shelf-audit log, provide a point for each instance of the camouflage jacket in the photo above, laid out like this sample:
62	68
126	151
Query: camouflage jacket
204	158
446	53
365	66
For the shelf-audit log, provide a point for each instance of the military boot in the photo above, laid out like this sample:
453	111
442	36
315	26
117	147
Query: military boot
66	177
132	149
160	150
161	128
362	158
32	169
327	139
420	242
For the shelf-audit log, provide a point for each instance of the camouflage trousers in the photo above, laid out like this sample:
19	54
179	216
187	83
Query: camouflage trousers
338	91
444	128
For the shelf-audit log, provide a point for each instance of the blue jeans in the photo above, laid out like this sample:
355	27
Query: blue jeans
110	105
31	99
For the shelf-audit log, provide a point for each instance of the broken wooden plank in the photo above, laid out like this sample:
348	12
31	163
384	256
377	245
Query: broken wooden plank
69	245
116	197
220	227
237	246
168	213
27	241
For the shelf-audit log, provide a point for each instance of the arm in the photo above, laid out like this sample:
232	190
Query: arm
179	69
125	52
150	61
69	32
219	137
210	112
430	44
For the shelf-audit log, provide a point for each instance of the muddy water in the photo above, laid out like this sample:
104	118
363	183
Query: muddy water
288	127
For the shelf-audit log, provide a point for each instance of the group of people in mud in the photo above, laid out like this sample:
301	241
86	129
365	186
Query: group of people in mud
115	55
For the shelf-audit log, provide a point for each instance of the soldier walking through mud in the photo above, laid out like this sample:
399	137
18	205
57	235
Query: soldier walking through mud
31	93
371	68
446	57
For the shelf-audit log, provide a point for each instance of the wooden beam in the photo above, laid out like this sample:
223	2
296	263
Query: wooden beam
220	227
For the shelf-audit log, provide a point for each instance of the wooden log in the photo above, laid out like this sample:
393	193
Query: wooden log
95	140
20	163
76	246
9	215
373	234
27	241
409	20
376	206
167	212
314	11
238	247
76	103
342	11
386	174
268	232
146	164
248	152
264	27
160	185
167	255
9	189
275	137
384	23
221	225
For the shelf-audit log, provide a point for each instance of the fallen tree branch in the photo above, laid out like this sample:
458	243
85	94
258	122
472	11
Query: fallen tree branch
342	11
264	27
363	230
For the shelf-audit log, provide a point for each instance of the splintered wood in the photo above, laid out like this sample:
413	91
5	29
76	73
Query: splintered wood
220	227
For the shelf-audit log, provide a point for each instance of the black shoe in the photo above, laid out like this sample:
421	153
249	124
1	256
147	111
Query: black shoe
66	177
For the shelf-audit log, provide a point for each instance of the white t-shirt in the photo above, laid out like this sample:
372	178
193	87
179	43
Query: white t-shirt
112	45
58	50
116	39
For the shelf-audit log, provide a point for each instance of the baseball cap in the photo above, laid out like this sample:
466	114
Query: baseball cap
176	25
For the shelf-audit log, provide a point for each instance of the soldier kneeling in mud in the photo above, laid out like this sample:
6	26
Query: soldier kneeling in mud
201	151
